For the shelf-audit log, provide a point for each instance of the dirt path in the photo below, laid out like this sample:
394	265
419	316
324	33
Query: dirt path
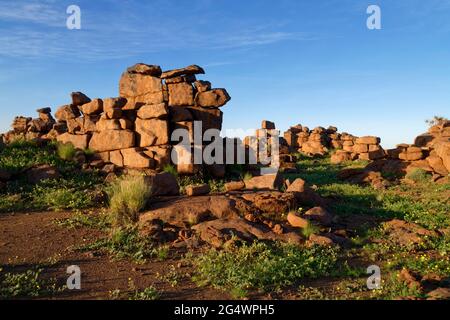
33	240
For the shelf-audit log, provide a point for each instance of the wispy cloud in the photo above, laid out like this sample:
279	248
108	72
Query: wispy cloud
118	32
43	12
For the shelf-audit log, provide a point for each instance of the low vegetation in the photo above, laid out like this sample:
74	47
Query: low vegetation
28	284
127	197
262	266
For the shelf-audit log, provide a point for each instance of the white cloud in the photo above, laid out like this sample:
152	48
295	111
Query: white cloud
124	29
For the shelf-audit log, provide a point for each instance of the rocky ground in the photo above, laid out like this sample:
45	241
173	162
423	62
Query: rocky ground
313	238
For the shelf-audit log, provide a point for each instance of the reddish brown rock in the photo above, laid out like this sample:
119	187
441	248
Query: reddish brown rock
151	132
67	112
319	215
437	165
93	107
110	140
269	125
340	156
155	111
116	158
79	98
234	186
145	69
42	172
368	140
268	182
190	70
135	158
114	103
77	140
219	232
212	99
197	190
297	221
181	94
134	84
202	86
406	233
164	184
189	211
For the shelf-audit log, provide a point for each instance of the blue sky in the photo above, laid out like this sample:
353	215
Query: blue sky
289	61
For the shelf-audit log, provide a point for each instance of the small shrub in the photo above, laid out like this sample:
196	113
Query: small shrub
309	230
418	176
247	176
66	151
127	197
25	285
149	293
171	169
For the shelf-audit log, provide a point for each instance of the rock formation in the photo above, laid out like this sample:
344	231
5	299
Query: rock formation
134	129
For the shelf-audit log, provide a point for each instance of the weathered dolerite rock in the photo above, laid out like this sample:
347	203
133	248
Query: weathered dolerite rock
134	129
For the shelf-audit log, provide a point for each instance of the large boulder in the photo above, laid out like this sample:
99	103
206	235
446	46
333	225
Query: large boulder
218	232
42	172
319	215
110	140
153	111
303	194
181	94
265	182
197	190
189	211
164	184
93	107
272	201
190	70
79	141
135	158
151	132
443	151
212	99
145	69
79	98
136	84
67	112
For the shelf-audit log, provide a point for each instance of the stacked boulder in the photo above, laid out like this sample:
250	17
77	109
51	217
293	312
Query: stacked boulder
134	129
368	148
430	151
28	128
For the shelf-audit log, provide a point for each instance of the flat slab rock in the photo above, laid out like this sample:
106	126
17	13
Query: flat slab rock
220	231
188	211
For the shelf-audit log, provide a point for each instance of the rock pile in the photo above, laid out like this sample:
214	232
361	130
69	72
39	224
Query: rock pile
29	129
134	130
319	141
430	151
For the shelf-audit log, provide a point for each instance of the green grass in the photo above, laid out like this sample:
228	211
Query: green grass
422	203
66	151
21	155
171	169
262	266
28	284
216	185
418	175
73	190
97	221
309	230
127	197
149	293
127	244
